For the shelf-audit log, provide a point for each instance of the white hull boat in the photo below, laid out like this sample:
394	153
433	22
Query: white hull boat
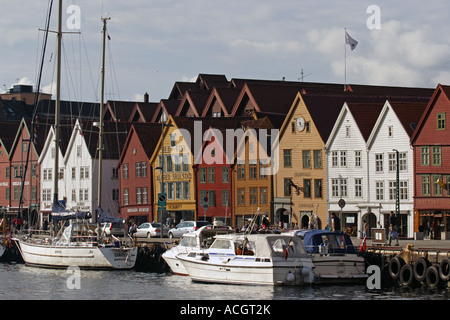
258	259
334	257
75	251
197	240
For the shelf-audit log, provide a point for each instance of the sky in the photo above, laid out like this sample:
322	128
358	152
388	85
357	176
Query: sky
154	43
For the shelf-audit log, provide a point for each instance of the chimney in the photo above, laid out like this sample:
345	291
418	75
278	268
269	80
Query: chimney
146	97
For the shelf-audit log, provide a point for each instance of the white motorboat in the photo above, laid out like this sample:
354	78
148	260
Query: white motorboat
197	240
334	256
254	259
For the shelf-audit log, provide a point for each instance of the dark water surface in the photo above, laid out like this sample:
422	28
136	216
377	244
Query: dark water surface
18	282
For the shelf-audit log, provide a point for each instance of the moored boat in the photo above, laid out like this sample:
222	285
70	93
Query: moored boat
254	259
197	240
334	256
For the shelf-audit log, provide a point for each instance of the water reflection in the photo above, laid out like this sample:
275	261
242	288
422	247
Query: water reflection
23	282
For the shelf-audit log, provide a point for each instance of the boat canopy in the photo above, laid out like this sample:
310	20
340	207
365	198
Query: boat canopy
59	213
337	242
103	217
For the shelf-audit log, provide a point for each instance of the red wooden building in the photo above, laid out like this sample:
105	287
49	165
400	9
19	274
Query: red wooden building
135	173
432	166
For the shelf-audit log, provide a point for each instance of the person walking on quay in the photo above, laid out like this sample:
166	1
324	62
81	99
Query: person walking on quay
393	234
335	222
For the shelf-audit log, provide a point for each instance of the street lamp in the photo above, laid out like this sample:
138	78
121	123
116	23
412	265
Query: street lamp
163	189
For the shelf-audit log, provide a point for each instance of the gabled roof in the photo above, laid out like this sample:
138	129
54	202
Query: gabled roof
148	135
68	109
225	97
209	81
143	111
440	89
365	116
118	110
169	106
8	131
193	101
409	114
14	110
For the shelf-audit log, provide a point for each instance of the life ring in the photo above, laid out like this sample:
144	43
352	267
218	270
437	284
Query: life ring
395	265
406	277
432	277
444	269
420	269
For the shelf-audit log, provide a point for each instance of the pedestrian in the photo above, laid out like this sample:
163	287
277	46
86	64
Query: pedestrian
335	222
393	234
365	228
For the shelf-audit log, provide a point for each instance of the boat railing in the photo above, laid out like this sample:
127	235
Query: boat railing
329	250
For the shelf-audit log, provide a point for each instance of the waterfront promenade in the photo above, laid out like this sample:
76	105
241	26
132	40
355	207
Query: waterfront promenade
418	244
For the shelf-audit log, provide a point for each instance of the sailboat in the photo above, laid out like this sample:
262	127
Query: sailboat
77	243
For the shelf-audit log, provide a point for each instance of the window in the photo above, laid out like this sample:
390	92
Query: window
185	162
426	187
33	170
211	175
74	171
358	159
306	156
240	197
403	190
138	195
7	172
178	160
225	174
169	164
379	162
379	190
74	195
48	174
441	121
317	188
252	169
84	172
225	198
436	155
115	194
178	191
263	195
425	156
61	174
343	187
83	195
392	190
287	158
46	194
347	131
143	169
202	175
125	196
358	187
241	171
203	195
402	161
343	158
16	193
24	147
335	188
287	187
212	198
317	159
173	141
78	151
253	196
307	188
115	173
186	190
392	162
334	159
170	190
437	190
390	131
125	171
138	169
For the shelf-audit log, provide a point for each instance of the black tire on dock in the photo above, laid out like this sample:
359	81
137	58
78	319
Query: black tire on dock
420	269
444	269
406	277
432	277
395	265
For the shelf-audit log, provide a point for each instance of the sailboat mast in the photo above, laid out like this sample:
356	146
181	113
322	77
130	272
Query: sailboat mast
57	103
100	139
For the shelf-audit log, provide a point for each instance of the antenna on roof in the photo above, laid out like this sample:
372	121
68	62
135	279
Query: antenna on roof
302	75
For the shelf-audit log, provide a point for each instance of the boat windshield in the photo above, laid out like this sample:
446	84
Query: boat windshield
222	244
188	242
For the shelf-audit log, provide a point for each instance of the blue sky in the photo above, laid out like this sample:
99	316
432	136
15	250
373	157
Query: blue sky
157	42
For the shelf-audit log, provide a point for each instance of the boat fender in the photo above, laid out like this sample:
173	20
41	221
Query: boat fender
420	269
432	277
395	265
290	277
444	269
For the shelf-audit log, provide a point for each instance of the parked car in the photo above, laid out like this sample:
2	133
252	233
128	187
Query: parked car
187	226
113	228
149	230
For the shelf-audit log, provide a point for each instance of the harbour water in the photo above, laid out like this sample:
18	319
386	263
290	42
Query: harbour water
21	282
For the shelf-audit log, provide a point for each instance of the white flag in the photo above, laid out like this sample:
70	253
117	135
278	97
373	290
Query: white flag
350	41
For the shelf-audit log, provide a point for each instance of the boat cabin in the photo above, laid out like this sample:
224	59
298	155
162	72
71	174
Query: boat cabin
328	242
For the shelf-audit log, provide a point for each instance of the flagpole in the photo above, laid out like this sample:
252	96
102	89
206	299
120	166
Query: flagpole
345	59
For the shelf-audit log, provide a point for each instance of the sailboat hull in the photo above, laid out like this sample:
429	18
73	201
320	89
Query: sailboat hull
86	257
